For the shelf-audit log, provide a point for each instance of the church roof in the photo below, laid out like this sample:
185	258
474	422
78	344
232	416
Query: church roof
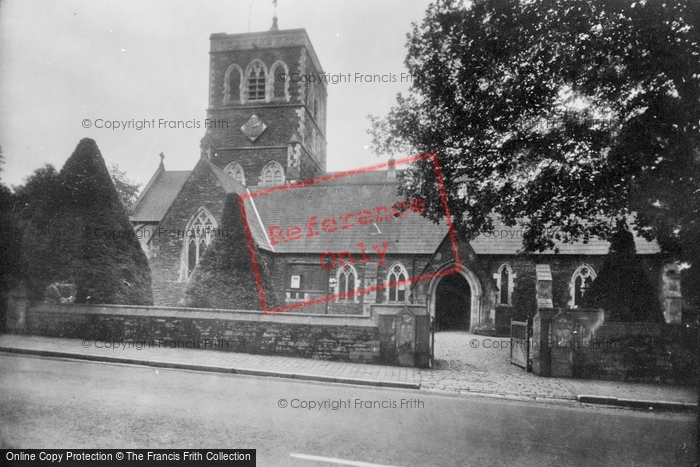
334	197
283	209
365	190
229	184
158	195
506	240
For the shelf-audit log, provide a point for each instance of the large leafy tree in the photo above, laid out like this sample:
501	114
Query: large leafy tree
562	116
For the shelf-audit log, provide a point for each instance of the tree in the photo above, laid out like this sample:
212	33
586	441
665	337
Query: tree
525	298
561	116
10	247
126	189
623	289
78	232
225	276
33	205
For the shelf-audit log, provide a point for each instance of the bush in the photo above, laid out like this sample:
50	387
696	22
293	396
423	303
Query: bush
78	233
504	314
524	298
224	277
623	288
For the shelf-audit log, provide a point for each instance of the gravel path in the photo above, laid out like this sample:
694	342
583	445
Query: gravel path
470	363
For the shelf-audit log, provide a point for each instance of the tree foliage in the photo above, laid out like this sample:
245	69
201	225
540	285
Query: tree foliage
225	276
127	189
76	231
525	298
623	288
570	114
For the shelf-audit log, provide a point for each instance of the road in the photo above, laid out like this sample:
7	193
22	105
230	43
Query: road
54	403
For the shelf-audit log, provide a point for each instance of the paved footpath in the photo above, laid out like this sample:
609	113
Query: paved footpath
460	368
467	363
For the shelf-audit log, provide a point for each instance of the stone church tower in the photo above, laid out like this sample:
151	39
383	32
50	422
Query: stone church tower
266	116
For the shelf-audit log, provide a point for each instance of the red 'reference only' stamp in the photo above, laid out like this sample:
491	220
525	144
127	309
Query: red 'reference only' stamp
321	233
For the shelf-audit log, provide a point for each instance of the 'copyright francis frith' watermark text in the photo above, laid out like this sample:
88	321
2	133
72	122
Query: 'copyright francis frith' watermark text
159	232
506	344
154	124
214	344
345	404
339	78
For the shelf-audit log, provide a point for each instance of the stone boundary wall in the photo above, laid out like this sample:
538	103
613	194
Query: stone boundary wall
579	344
323	337
661	353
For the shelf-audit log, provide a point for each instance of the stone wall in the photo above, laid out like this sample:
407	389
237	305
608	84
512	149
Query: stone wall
641	352
341	338
579	344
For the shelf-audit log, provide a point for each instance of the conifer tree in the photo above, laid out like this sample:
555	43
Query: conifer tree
78	232
225	277
623	289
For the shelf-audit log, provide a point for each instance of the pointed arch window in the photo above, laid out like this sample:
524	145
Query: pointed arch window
396	281
272	174
504	282
235	171
199	234
232	84
347	284
581	281
257	77
279	87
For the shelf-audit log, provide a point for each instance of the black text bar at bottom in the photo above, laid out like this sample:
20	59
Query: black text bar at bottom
125	457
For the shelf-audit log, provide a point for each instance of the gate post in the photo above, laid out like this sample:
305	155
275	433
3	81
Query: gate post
406	337
541	341
15	320
562	350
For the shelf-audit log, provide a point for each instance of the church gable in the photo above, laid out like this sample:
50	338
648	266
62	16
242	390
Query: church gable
197	207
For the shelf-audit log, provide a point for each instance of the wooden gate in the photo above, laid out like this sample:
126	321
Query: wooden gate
520	344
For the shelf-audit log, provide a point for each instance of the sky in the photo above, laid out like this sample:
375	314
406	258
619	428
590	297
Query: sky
65	61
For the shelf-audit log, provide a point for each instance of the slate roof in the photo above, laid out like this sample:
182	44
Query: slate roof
408	234
156	198
506	240
229	184
335	197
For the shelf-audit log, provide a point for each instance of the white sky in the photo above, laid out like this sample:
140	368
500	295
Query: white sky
69	60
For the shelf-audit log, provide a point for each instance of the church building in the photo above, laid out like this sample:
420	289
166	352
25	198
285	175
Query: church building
347	231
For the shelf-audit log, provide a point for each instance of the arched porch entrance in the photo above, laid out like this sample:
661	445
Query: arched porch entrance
455	299
452	304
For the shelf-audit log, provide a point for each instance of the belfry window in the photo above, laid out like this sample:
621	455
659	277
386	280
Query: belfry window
232	84
256	82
